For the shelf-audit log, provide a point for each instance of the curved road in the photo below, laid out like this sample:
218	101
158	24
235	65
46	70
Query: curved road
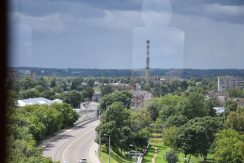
72	144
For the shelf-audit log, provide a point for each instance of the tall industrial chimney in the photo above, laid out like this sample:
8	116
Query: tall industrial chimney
147	75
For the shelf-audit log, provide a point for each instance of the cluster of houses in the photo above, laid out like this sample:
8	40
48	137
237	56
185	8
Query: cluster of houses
139	96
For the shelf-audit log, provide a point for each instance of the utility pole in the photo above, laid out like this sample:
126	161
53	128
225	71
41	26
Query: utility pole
109	149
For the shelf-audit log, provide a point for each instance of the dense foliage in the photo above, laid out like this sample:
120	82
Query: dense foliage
122	125
29	125
119	96
190	124
197	136
229	146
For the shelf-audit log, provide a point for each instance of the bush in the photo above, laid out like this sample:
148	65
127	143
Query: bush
171	157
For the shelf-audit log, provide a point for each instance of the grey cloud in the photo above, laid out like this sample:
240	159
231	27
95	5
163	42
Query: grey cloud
230	13
216	10
225	2
114	4
63	23
49	7
84	49
99	33
211	44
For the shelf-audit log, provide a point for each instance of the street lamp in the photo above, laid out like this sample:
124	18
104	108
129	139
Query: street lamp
108	147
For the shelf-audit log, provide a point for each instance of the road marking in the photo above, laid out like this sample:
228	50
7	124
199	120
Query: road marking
65	143
67	147
60	149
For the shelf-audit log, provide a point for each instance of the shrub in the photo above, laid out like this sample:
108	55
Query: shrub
171	157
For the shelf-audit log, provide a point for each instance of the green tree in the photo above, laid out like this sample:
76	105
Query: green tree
170	136
12	98
235	120
140	121
175	120
87	93
210	104
165	112
194	106
229	147
26	128
171	157
43	82
234	92
197	136
119	96
76	84
53	82
153	109
40	88
58	88
48	94
106	90
73	98
51	118
230	105
115	123
30	93
164	107
90	82
69	116
27	83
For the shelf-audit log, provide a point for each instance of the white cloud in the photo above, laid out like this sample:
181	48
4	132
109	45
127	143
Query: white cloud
224	10
49	23
116	20
60	22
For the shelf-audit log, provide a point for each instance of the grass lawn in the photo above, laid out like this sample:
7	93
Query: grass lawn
161	151
114	157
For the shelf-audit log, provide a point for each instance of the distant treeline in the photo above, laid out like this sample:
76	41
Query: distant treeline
183	73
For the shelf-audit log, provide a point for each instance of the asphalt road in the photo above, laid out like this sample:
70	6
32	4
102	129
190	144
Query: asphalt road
72	144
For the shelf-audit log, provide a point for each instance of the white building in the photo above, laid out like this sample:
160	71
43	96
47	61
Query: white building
37	101
227	82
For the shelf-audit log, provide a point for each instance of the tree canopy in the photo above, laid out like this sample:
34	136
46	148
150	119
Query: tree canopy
197	135
229	146
119	96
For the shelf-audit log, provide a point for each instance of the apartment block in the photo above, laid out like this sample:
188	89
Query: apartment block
227	82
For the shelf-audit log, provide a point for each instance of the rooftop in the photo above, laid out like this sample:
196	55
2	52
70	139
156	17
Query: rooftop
37	101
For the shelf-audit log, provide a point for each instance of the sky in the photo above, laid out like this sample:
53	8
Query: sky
112	34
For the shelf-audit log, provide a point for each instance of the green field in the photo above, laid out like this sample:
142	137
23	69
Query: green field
114	157
154	143
162	149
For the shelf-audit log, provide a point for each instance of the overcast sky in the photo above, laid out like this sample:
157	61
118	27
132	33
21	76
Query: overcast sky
202	34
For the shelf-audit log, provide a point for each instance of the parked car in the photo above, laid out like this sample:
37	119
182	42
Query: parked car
83	160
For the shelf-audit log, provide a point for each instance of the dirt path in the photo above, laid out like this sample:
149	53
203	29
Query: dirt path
155	155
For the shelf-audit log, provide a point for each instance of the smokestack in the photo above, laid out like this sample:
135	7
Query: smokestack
147	76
